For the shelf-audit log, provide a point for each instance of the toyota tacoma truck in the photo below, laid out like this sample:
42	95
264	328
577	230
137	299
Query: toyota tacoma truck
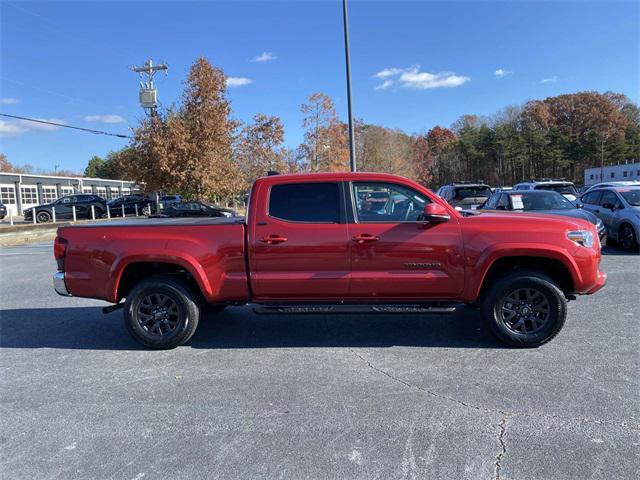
314	243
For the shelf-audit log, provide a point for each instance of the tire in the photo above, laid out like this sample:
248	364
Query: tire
524	309
627	237
161	312
43	216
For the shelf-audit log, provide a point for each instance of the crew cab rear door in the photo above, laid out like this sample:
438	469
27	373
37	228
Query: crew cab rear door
393	255
298	241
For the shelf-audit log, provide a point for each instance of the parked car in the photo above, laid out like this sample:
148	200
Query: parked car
133	204
64	208
465	195
625	183
167	200
196	209
307	247
541	201
619	210
502	189
3	211
568	189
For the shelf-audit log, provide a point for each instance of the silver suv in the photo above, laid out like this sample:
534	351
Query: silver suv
619	210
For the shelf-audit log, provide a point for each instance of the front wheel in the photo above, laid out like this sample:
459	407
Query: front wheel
43	217
525	309
161	312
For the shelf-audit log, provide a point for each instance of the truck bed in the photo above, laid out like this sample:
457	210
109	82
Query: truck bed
164	222
211	250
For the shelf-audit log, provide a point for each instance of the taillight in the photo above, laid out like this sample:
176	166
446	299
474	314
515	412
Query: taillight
60	251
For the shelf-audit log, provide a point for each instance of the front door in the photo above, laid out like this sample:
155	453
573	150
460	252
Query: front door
299	244
393	255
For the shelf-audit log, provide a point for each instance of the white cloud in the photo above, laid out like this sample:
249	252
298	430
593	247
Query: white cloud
412	77
18	127
238	81
384	85
553	79
9	129
389	72
501	72
105	118
264	57
9	101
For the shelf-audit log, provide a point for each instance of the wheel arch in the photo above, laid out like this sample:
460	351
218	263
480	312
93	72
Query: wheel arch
557	269
134	269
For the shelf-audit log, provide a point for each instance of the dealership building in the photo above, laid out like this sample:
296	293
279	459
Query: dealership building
612	173
19	191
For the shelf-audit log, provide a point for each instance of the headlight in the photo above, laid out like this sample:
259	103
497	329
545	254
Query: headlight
581	237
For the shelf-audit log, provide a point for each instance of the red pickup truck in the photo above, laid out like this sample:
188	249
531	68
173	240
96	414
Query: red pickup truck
315	243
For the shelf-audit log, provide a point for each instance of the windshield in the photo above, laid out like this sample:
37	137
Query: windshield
472	192
565	189
540	201
632	197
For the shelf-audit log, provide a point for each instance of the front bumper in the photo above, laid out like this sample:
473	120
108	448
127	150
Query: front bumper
59	285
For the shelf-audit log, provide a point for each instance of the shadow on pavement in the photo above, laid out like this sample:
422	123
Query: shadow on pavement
615	250
86	328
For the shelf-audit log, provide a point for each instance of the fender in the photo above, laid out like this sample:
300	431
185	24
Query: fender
477	269
182	259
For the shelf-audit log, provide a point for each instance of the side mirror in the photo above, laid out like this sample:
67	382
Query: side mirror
435	213
579	205
609	206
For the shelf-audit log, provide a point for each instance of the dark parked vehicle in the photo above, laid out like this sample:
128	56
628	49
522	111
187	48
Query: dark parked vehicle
130	202
64	208
465	195
196	209
3	211
541	201
167	200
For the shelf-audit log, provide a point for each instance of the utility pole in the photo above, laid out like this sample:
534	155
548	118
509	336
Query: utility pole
352	146
148	91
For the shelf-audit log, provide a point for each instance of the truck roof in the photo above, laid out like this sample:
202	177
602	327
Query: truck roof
345	176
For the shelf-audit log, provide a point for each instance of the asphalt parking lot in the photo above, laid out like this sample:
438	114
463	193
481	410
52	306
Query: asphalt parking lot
321	397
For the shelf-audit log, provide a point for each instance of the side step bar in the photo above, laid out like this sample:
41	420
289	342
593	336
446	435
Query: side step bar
356	308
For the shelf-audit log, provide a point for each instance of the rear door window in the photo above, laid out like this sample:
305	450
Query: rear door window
592	198
306	202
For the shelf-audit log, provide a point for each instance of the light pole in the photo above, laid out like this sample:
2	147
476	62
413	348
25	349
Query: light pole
352	146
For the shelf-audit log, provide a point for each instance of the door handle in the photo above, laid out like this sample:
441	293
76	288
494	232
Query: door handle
273	239
365	238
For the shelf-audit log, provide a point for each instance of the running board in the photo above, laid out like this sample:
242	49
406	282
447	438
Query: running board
323	309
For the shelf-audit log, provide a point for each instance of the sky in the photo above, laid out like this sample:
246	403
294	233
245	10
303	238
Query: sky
414	64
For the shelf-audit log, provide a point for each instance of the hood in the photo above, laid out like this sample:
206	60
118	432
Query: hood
574	213
523	220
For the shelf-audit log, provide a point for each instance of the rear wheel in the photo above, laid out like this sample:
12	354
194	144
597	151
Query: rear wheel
43	216
161	312
525	309
627	237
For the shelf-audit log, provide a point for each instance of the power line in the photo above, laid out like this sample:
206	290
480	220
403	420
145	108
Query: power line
97	132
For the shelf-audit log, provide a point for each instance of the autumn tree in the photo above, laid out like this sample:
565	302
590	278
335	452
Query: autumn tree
259	148
427	150
5	165
326	140
187	149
